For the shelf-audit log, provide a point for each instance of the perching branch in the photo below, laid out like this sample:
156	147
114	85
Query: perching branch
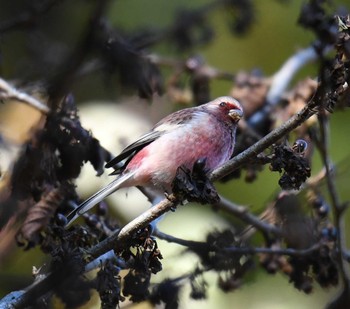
118	238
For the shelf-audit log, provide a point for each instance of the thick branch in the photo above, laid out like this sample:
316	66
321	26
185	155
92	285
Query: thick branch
282	78
119	238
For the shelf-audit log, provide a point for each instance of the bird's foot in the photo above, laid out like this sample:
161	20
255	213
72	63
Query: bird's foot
195	185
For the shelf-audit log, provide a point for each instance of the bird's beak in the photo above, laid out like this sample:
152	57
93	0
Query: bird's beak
235	114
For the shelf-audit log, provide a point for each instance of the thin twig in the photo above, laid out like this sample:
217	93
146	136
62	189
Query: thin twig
242	213
8	92
236	250
190	64
20	299
110	255
337	207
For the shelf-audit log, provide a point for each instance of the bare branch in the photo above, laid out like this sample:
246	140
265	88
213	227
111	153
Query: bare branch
118	238
8	92
284	75
236	250
242	213
338	208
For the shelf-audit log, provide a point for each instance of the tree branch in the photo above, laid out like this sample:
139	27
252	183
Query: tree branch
236	250
8	92
284	75
338	208
242	213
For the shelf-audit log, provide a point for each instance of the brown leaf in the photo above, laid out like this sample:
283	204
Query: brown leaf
251	90
296	100
38	217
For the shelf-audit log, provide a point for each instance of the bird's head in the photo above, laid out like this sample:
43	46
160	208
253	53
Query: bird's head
226	107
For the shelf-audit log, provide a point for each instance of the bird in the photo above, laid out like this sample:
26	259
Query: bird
180	139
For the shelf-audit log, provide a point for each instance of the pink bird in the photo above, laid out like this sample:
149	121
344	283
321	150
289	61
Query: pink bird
180	139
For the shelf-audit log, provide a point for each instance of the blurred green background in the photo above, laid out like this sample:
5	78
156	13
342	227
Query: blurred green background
273	38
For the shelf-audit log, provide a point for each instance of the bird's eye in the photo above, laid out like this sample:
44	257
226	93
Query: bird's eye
223	104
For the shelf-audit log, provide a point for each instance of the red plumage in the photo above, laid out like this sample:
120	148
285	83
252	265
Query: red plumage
180	139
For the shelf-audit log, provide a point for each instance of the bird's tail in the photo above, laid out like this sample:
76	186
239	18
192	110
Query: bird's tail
97	197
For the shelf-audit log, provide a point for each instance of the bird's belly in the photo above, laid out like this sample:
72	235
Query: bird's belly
159	161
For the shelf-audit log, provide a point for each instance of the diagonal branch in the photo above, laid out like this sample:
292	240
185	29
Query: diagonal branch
243	214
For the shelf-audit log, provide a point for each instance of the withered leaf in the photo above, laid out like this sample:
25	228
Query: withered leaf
38	217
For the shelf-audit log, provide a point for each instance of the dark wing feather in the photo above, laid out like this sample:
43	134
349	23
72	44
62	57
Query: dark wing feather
129	152
168	123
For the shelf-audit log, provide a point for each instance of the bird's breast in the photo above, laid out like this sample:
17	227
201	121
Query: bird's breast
157	163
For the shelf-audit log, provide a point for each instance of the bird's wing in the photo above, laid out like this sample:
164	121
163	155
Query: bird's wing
98	197
167	124
132	149
177	119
